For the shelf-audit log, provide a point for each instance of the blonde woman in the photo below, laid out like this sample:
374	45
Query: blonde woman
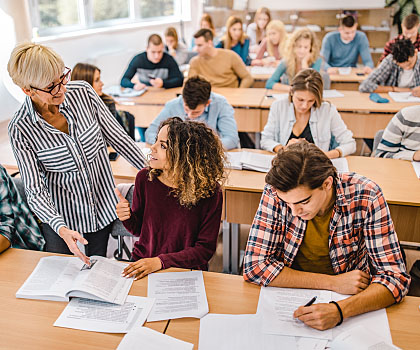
206	22
235	39
177	200
176	48
272	44
256	31
302	51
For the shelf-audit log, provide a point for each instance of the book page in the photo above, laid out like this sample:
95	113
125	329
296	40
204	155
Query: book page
177	294
103	281
256	161
99	316
51	279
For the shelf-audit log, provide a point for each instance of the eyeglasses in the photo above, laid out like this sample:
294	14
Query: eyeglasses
55	89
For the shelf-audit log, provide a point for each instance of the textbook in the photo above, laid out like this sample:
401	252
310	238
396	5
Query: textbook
58	278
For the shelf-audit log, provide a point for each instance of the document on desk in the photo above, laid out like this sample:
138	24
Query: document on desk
341	164
261	70
277	305
256	161
146	338
98	316
332	94
233	160
416	166
177	294
403	97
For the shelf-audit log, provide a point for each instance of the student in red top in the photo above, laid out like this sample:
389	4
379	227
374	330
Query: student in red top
177	200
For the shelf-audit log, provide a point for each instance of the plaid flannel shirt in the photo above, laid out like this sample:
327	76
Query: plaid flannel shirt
362	236
388	74
388	45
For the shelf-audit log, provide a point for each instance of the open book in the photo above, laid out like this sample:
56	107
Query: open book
249	161
58	278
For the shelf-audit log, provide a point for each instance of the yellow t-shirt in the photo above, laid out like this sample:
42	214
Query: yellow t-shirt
313	254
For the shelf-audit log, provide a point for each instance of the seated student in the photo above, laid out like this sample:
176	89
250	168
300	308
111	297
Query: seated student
399	71
200	104
206	22
222	68
256	31
410	30
272	44
305	116
317	229
177	200
154	67
401	138
342	48
18	228
302	52
92	74
235	39
176	48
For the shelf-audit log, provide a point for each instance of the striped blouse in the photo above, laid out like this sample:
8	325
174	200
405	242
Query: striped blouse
68	178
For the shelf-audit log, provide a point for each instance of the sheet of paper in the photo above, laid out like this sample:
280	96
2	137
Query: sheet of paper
239	332
118	91
341	164
98	316
332	93
146	338
257	70
279	96
416	166
360	338
311	343
403	97
177	294
344	70
276	306
234	160
256	161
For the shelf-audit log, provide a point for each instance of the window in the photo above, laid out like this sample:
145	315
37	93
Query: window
61	16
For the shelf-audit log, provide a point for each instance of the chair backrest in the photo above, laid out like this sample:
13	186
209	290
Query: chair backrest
376	140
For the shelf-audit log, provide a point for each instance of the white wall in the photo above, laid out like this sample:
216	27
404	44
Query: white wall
316	4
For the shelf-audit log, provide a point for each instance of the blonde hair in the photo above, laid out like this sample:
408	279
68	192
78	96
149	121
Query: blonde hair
34	65
303	33
260	11
227	38
207	18
171	31
277	26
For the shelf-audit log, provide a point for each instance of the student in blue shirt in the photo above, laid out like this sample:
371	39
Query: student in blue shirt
199	103
342	48
302	52
235	39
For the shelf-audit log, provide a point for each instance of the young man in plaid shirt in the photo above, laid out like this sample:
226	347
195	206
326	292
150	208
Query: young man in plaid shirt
318	229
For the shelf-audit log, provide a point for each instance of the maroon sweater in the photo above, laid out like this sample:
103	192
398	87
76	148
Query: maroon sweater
179	236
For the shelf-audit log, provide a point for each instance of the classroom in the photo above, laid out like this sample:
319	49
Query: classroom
193	174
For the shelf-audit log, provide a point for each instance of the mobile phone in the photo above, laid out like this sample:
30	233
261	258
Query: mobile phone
113	156
360	73
151	76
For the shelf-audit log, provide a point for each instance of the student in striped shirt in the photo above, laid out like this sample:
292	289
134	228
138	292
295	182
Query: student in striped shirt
177	200
59	138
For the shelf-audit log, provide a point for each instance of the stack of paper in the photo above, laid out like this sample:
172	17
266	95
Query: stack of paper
403	97
249	160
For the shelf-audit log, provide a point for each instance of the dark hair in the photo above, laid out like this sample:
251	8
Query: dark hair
300	164
195	160
84	71
410	21
196	91
308	80
207	34
154	39
402	50
348	21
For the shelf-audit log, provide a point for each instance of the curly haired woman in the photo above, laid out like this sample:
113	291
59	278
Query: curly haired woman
177	200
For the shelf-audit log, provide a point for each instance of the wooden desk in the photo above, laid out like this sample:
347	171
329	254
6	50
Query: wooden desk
28	324
229	294
361	115
347	82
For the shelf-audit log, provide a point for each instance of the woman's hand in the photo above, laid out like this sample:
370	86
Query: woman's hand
123	206
71	237
305	60
142	268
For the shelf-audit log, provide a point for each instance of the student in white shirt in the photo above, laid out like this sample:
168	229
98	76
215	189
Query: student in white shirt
303	115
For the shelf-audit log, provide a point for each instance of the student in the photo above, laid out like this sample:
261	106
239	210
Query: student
342	48
18	228
154	67
235	39
176	48
401	138
256	31
206	22
399	71
316	229
92	74
272	44
305	116
177	201
302	52
410	30
197	102
221	67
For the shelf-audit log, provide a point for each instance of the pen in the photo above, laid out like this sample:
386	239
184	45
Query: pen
310	302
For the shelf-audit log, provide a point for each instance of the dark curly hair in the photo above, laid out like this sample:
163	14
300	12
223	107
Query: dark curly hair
402	50
196	160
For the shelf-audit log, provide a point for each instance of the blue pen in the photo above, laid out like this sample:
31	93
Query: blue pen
310	302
